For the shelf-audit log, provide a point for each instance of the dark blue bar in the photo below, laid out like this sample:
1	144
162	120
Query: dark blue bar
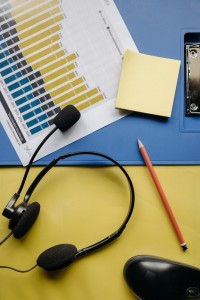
28	115
21	92
36	130
8	71
18	84
24	99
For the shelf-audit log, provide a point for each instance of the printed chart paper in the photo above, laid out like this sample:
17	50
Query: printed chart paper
54	53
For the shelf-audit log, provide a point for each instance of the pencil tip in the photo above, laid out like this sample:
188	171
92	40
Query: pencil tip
184	247
139	143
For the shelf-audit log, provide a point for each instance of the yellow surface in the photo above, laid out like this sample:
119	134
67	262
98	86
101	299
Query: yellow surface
147	83
81	205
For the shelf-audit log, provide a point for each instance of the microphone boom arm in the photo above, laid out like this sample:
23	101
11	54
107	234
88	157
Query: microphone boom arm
33	157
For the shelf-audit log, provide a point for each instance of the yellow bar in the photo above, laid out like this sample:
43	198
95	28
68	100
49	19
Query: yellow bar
41	45
80	98
38	19
17	2
17	10
74	101
48	60
90	102
43	53
71	57
38	37
57	73
46	24
70	94
57	65
91	93
55	83
67	68
64	80
35	11
84	96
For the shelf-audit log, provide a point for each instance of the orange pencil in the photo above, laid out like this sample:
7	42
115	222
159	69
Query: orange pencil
162	195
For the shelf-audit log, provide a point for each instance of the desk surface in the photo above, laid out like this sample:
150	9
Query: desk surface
83	215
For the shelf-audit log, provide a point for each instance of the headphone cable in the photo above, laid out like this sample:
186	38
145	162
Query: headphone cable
32	159
6	238
17	270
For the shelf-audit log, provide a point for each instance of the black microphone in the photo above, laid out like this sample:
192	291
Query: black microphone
66	118
52	259
57	257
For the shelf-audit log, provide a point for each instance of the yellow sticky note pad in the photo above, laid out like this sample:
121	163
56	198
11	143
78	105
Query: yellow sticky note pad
147	84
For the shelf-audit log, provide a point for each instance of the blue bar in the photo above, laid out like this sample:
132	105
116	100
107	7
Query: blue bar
6	63
18	84
45	125
34	112
8	71
4	54
43	117
22	91
36	129
37	110
24	99
28	115
35	103
2	45
32	123
39	128
25	108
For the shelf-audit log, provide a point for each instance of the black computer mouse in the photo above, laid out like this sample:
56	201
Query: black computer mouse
152	278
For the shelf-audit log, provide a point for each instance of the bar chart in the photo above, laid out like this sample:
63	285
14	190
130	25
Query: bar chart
54	53
41	77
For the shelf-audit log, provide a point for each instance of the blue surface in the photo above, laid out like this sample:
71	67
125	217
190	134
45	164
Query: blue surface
158	28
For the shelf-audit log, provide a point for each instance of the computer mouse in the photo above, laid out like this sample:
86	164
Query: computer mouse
154	278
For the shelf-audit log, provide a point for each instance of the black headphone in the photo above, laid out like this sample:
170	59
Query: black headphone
23	216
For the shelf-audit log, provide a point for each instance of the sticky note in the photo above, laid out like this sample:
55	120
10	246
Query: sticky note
147	83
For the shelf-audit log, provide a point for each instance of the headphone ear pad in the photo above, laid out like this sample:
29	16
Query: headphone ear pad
27	220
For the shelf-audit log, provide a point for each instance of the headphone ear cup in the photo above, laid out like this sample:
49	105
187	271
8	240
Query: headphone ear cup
26	221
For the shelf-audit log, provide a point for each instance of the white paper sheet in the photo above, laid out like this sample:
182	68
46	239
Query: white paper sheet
55	53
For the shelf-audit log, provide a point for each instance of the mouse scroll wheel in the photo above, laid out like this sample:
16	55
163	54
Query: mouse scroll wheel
192	292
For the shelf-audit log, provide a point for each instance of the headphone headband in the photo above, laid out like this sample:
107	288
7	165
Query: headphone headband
116	233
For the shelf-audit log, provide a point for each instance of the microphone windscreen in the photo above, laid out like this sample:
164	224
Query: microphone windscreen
57	257
26	221
67	117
